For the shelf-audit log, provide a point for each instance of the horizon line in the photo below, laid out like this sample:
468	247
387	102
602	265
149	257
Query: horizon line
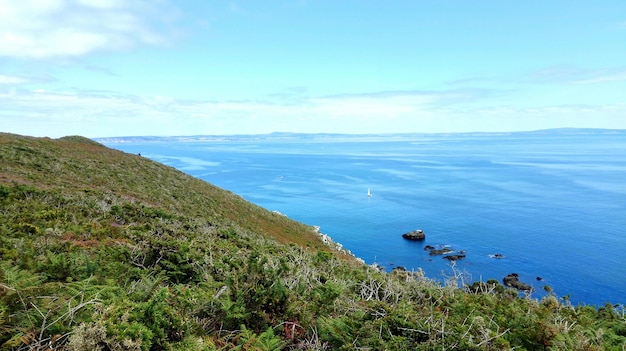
286	134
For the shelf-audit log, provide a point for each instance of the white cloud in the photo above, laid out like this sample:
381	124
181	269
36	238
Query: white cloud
103	4
55	114
53	28
12	80
369	106
616	77
576	75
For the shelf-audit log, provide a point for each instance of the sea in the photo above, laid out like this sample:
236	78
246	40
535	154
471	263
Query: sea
549	206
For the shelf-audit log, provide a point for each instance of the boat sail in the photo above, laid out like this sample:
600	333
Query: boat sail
369	192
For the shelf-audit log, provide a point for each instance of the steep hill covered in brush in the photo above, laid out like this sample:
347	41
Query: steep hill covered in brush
102	250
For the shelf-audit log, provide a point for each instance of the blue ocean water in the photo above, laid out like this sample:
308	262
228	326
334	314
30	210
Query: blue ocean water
554	205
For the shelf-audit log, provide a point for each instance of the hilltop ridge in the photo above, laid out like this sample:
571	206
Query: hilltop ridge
104	250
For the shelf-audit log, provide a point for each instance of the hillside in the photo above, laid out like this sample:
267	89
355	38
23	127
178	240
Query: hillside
76	165
102	250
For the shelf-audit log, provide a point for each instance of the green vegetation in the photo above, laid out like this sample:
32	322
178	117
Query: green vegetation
102	250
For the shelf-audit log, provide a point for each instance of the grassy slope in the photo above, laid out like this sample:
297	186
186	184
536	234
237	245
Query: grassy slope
104	250
76	164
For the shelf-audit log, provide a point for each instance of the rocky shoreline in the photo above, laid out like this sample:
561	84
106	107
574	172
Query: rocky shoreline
511	280
328	241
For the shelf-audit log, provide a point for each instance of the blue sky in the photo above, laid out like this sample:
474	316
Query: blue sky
156	67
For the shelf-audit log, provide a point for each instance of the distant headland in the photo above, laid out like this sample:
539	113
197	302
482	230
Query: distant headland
349	137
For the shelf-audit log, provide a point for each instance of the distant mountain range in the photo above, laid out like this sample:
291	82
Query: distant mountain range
339	136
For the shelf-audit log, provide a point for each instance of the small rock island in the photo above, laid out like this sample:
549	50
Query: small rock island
417	234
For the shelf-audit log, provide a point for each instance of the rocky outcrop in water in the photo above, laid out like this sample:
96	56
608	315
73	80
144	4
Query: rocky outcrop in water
417	234
447	252
436	252
454	257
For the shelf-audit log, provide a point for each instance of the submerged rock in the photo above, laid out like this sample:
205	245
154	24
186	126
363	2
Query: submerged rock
449	253
436	252
417	234
454	257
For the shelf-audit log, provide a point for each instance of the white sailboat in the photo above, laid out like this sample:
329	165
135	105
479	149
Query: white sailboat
369	192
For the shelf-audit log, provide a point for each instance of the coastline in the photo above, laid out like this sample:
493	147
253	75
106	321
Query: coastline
326	239
518	195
